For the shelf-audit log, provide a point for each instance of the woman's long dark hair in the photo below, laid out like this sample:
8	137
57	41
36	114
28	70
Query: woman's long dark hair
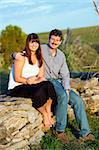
34	37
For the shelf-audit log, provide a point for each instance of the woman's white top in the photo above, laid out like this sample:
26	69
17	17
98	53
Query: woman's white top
27	71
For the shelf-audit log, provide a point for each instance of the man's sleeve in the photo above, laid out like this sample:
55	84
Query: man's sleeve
64	72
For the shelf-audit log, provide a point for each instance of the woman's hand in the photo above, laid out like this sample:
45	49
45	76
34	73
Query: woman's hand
35	80
42	79
31	80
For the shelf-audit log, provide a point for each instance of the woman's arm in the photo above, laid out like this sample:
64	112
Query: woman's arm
39	78
41	75
41	71
18	66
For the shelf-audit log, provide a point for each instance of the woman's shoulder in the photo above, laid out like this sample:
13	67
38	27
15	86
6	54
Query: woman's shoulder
19	57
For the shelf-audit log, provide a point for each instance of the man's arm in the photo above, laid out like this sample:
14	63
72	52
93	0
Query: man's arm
64	72
17	55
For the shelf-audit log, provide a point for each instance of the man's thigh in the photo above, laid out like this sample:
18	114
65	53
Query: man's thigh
74	98
58	87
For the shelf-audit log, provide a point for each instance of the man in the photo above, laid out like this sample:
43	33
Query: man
56	71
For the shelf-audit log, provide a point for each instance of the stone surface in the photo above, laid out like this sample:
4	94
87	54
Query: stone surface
20	124
89	91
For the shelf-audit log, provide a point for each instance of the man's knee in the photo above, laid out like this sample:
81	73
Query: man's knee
62	99
75	98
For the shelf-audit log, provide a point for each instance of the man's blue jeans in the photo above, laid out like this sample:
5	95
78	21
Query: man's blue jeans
76	103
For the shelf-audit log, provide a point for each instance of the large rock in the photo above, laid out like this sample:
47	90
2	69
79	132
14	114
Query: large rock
20	124
89	91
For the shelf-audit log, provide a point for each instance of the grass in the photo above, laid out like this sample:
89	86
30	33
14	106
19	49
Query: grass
89	35
49	142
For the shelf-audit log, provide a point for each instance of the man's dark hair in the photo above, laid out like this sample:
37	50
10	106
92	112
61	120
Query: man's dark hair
56	32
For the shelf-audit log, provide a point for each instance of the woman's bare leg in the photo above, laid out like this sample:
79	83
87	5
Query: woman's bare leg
48	109
45	116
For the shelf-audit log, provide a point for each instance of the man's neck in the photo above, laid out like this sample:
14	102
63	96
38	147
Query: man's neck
53	51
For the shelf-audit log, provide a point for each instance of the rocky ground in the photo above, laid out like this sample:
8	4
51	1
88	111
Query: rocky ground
21	125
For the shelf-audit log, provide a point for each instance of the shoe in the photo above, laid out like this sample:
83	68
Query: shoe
89	137
61	136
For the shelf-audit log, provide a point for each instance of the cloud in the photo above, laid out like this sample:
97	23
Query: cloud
28	12
11	1
20	9
14	3
13	8
56	4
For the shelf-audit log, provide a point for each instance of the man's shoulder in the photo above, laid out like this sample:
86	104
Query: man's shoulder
60	52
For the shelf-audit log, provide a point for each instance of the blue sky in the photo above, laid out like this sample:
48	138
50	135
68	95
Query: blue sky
45	15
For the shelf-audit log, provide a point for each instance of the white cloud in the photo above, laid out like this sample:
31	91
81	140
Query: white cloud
15	3
11	1
25	8
37	12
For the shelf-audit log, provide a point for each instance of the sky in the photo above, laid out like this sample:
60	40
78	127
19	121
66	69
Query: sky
44	15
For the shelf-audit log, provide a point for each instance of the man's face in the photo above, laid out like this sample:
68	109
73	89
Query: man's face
54	41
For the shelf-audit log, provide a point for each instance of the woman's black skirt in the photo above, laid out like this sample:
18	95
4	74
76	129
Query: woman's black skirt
39	93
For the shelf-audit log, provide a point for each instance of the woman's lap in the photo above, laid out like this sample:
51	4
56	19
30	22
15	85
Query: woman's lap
39	93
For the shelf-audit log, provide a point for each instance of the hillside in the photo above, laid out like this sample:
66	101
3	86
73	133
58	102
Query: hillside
81	49
89	35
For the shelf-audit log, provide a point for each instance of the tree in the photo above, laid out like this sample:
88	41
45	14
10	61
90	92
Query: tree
12	39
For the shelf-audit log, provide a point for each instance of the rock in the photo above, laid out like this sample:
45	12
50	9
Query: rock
94	105
3	134
18	145
20	124
77	84
36	138
95	98
70	113
91	83
14	123
89	91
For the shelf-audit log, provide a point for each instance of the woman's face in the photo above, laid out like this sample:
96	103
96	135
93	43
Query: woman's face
33	46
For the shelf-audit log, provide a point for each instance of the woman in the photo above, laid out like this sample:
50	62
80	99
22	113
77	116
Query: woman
27	79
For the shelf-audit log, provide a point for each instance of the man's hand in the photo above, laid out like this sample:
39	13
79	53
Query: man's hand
17	56
67	91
